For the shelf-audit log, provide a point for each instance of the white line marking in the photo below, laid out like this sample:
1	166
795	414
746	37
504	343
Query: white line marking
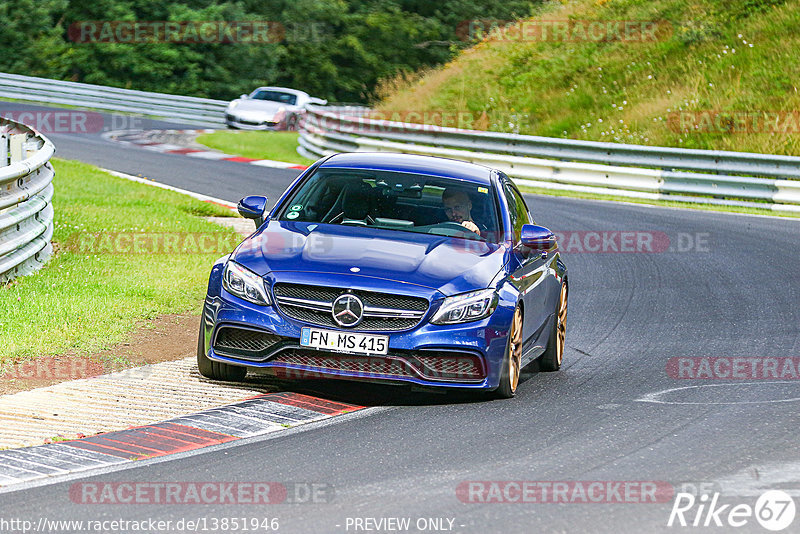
163	147
198	196
274	164
653	397
209	155
38	466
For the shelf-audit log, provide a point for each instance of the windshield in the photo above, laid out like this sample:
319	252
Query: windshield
276	96
396	201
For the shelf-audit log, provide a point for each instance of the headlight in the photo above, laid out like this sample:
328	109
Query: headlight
245	284
466	307
233	105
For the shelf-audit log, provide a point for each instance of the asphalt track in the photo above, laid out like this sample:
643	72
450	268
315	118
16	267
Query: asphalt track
728	287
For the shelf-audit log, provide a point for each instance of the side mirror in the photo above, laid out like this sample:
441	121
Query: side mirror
243	96
317	101
537	237
253	207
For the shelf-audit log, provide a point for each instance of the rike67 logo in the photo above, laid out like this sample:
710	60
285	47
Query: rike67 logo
774	510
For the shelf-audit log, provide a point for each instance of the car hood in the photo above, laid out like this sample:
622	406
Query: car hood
266	107
447	264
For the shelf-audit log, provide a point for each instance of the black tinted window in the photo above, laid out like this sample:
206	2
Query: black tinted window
394	201
517	209
276	96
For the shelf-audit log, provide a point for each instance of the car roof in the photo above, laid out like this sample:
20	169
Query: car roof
411	163
282	89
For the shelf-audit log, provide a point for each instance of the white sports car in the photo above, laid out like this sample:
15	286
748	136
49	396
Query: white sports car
269	108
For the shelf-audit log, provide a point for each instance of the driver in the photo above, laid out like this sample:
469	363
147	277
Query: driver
458	208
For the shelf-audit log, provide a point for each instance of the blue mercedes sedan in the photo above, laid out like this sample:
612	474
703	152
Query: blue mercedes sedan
391	268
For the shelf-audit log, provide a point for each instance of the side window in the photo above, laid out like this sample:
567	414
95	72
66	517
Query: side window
518	211
512	202
522	209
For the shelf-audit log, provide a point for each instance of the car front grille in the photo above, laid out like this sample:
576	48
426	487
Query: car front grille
443	366
382	311
348	363
243	342
450	366
269	124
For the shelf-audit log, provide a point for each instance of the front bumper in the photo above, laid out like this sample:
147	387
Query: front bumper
252	124
467	355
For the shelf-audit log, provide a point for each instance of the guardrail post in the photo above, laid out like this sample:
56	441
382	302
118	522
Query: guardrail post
4	156
16	148
30	147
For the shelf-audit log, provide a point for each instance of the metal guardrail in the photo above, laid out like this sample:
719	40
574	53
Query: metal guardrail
193	110
26	192
636	171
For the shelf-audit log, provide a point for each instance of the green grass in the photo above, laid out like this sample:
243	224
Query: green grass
732	56
278	146
85	301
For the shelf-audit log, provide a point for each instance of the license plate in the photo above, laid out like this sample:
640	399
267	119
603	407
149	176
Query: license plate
350	342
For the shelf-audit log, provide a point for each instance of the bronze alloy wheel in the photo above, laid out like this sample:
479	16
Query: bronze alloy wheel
515	350
562	324
554	352
509	375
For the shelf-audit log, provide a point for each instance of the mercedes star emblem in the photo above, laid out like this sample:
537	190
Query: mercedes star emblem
347	310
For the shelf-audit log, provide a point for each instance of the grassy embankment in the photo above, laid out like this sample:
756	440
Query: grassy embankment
723	56
711	59
96	287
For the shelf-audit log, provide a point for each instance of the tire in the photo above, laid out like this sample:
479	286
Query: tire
554	353
509	374
216	370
